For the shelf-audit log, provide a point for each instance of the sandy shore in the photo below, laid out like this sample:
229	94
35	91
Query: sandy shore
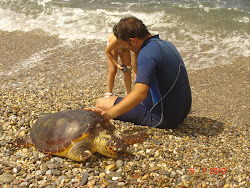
73	75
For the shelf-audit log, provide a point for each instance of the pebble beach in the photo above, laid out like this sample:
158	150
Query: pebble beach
209	149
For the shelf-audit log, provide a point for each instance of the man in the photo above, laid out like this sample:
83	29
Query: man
161	97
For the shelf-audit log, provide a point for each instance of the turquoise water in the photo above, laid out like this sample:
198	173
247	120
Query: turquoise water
206	32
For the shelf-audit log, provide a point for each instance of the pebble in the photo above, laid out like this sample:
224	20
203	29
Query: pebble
24	184
179	172
84	179
16	182
109	167
39	172
102	175
56	172
115	178
173	174
119	163
44	167
6	178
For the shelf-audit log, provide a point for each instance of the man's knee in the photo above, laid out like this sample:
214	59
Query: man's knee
106	103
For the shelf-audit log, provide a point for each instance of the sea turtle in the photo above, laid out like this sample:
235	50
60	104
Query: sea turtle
76	134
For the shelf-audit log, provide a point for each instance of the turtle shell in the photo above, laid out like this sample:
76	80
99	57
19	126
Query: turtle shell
55	133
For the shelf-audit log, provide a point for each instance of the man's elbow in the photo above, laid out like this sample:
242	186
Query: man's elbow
143	96
141	90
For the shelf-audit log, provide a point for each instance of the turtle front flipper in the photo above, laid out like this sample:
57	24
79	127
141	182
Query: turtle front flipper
78	155
78	152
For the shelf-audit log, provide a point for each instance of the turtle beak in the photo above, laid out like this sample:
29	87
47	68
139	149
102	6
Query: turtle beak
117	147
122	153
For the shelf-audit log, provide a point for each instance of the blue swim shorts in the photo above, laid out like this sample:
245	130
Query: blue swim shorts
140	115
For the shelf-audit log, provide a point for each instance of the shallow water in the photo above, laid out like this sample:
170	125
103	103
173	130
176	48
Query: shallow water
206	32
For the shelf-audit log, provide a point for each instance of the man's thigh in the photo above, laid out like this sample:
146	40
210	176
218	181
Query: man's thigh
139	115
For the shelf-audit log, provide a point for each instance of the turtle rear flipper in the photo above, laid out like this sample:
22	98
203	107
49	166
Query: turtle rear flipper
24	142
134	138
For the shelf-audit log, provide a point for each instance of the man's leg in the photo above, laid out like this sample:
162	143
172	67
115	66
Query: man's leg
106	103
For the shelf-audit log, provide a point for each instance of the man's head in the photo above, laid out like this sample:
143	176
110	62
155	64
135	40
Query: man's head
130	28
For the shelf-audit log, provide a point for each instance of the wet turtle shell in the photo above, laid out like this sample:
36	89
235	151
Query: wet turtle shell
76	134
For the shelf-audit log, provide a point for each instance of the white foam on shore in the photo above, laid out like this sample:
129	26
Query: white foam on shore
73	23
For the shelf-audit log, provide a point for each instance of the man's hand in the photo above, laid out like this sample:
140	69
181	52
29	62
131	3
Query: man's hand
100	111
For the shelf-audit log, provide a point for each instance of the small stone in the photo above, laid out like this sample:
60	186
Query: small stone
84	179
56	172
15	170
158	142
22	133
186	184
157	154
15	182
67	180
165	172
44	167
39	172
115	178
227	186
50	164
48	172
179	172
59	159
36	156
135	145
121	184
91	183
102	175
7	178
13	117
104	183
60	179
109	167
136	176
173	174
145	176
24	184
119	163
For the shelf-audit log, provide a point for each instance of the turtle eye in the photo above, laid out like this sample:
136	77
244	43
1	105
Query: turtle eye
116	149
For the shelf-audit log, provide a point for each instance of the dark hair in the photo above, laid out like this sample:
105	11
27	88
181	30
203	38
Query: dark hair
130	27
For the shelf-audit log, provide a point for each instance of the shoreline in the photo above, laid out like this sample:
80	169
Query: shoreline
214	135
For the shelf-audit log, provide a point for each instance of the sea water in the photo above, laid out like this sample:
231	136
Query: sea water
206	32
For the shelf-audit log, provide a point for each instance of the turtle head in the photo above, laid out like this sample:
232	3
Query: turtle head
110	145
115	147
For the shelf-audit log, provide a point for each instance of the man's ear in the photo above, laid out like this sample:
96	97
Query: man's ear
133	41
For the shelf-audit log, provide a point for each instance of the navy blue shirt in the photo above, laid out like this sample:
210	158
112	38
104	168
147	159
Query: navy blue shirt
160	66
